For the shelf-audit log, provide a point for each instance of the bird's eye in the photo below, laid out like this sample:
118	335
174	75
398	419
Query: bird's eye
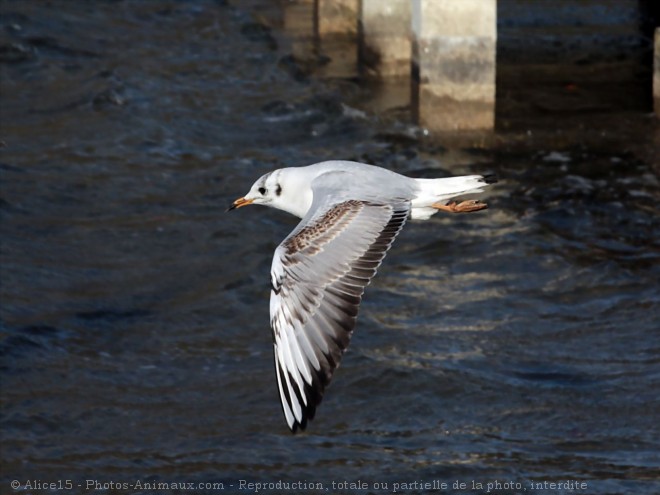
262	190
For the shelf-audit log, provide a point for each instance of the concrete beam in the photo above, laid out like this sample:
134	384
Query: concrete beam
454	50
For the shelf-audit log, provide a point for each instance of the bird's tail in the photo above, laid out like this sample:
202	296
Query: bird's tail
440	191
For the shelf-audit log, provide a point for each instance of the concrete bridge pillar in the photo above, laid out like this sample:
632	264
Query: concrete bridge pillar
299	24
454	51
386	37
656	72
324	34
337	36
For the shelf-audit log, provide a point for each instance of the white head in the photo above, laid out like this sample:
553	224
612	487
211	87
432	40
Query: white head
281	189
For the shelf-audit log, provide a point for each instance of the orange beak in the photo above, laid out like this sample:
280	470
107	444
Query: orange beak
239	203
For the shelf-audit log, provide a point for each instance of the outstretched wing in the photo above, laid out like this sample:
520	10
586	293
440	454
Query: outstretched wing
318	276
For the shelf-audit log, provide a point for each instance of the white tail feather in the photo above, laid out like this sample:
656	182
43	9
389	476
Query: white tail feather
442	190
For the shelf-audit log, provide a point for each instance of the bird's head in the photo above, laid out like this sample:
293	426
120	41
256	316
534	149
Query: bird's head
279	189
264	191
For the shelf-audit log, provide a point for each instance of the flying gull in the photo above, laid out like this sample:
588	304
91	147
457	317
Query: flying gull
351	213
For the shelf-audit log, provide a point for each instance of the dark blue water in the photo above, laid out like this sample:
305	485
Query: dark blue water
519	344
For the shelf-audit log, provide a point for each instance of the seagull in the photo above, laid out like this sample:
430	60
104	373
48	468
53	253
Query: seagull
351	213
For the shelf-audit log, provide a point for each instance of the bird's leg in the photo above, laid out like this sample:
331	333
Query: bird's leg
462	207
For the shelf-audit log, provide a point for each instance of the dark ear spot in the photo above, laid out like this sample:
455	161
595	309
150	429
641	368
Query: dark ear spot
278	191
